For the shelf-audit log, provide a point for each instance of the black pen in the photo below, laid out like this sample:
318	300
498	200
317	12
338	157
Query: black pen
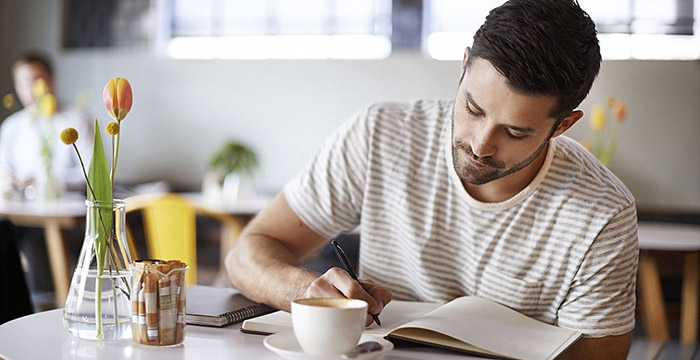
346	265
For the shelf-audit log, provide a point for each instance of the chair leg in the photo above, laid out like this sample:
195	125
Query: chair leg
689	300
653	307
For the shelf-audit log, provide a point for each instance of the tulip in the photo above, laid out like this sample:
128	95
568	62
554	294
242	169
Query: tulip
598	118
117	98
47	105
619	111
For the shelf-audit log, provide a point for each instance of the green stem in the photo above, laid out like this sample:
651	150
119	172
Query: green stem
98	292
115	154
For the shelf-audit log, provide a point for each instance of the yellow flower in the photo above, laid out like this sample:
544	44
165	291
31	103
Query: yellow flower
8	100
47	105
112	128
598	118
69	136
586	144
39	88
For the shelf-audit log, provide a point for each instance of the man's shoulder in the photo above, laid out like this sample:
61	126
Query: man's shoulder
575	165
433	107
417	114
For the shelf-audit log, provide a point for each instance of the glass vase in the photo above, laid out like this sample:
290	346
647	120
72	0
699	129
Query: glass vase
98	304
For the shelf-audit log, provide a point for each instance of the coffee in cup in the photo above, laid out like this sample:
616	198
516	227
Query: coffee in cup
325	326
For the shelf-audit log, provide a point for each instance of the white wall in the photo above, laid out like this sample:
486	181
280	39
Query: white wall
184	109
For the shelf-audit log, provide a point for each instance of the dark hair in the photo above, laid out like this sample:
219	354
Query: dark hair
543	47
33	56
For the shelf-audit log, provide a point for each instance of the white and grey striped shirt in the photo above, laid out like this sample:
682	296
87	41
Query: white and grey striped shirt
563	250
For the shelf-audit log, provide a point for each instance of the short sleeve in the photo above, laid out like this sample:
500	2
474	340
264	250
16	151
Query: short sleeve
601	300
328	193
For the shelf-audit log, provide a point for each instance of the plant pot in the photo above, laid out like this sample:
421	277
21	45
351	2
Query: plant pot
98	304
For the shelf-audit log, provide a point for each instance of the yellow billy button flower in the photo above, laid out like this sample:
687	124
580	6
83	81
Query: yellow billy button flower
8	101
39	88
117	98
47	105
69	136
112	128
598	118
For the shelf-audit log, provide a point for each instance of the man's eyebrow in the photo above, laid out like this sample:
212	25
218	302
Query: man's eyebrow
470	99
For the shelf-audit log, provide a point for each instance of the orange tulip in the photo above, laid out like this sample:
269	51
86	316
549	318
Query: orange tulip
619	111
117	98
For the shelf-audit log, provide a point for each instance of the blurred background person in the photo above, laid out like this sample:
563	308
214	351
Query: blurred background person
30	153
30	149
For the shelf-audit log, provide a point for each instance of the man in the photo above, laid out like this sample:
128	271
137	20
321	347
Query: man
24	133
24	138
481	196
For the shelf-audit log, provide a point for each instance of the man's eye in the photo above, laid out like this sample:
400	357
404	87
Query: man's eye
515	135
470	111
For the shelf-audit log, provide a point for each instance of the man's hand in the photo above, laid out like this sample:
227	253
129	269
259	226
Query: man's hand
336	282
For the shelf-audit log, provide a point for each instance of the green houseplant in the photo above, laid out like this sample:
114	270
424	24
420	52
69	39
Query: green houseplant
229	165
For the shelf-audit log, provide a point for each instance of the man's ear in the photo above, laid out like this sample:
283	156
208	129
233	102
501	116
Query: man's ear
568	122
464	60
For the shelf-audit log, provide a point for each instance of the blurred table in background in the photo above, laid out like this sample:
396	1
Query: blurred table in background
660	236
52	217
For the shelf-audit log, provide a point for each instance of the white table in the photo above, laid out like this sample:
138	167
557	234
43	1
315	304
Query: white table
669	237
52	217
42	336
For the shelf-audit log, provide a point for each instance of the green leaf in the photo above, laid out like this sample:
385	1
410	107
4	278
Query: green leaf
98	174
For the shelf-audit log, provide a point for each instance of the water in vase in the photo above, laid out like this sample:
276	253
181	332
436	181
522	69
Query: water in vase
79	314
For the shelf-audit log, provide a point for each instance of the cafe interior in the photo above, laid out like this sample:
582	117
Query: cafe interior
231	99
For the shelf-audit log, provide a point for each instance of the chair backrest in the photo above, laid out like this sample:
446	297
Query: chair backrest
169	222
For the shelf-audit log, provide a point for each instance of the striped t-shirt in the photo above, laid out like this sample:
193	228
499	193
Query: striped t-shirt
563	250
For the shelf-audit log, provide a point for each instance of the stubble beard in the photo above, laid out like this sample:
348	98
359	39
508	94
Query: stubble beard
493	169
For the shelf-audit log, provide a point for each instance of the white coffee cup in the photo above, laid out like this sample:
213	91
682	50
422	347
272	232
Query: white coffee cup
325	326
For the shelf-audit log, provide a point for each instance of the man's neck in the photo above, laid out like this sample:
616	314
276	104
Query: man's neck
508	186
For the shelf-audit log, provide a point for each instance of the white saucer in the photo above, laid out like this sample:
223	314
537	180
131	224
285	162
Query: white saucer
286	345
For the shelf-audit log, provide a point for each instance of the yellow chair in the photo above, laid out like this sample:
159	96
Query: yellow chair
169	222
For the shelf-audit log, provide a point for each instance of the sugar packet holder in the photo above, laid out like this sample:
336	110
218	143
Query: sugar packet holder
158	302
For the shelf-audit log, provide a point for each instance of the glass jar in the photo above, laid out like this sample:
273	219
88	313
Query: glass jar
98	305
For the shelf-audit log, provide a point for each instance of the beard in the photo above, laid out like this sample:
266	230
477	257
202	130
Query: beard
492	170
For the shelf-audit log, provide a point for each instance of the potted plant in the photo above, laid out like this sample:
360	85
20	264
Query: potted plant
229	165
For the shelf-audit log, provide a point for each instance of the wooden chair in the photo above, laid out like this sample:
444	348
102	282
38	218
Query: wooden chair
169	222
669	237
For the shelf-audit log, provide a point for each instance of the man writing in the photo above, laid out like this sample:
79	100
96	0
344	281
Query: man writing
477	196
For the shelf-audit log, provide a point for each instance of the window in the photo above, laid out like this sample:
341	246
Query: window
641	29
279	28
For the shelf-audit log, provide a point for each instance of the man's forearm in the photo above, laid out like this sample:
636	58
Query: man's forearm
266	271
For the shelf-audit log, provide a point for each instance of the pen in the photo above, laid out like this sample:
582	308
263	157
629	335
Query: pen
346	265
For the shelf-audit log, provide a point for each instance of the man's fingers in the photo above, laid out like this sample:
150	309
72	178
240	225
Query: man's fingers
336	282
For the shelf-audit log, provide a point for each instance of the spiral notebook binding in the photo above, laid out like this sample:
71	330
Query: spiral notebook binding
239	315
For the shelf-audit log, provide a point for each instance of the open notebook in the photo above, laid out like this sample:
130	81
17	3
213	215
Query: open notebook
468	324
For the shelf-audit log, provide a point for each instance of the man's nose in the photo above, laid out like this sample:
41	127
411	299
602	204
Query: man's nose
483	142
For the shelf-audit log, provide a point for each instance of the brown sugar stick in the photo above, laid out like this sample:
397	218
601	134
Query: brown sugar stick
174	294
181	297
166	322
136	286
143	337
151	299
